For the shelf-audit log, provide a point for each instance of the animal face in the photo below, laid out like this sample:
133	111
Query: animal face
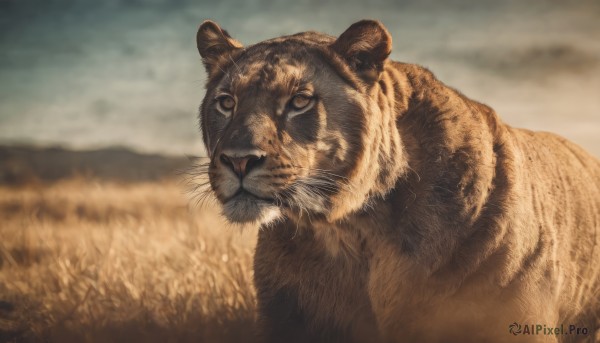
285	121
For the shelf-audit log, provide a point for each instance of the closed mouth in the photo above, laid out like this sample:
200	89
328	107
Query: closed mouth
244	194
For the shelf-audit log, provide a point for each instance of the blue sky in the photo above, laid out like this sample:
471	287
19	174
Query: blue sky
88	74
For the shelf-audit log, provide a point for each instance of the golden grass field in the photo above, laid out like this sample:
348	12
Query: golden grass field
102	261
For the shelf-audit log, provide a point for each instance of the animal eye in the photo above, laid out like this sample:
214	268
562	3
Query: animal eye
300	101
226	102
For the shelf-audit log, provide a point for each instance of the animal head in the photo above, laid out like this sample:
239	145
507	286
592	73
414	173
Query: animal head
288	122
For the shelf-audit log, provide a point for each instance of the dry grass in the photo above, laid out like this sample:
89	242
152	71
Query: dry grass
84	261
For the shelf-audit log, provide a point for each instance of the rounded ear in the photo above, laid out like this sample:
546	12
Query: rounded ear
215	45
365	46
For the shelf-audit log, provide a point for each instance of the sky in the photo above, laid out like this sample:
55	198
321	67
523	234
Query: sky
91	74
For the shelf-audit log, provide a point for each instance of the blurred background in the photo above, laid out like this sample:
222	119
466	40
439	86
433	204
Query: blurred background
100	242
93	74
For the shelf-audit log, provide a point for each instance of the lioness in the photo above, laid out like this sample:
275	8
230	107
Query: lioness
392	207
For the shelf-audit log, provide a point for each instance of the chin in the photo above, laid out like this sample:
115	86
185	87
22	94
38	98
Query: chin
246	209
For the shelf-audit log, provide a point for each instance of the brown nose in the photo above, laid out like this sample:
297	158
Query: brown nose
241	166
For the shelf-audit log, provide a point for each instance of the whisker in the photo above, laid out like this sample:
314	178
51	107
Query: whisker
324	171
236	66
197	182
224	72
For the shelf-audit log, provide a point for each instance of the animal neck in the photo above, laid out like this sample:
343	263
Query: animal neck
455	154
389	161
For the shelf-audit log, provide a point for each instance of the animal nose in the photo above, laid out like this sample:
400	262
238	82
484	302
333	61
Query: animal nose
242	164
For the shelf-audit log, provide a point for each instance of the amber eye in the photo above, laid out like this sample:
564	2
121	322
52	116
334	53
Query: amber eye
226	102
300	101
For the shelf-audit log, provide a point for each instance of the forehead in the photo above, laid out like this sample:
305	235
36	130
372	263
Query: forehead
274	67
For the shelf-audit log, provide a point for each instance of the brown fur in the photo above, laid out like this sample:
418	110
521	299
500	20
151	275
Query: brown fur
396	209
